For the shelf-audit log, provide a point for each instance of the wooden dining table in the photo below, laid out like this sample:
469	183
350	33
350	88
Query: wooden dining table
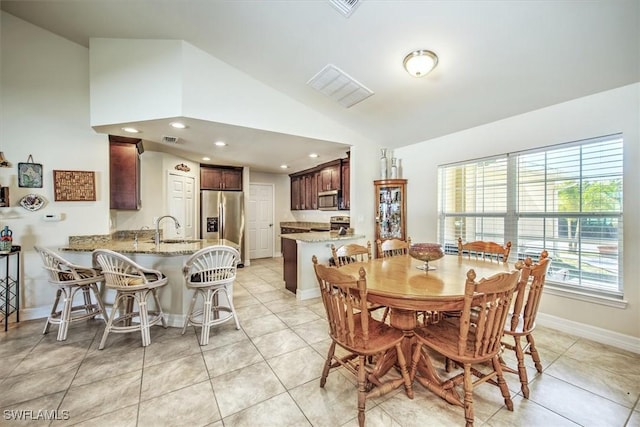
399	283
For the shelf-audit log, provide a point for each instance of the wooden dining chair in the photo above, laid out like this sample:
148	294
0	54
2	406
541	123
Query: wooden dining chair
349	253
473	338
484	249
352	328
522	320
393	247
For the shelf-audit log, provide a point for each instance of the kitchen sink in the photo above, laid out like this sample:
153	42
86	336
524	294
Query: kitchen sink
179	241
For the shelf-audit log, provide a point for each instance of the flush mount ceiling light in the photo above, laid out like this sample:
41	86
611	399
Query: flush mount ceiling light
206	159
178	125
313	155
131	130
420	62
220	144
284	166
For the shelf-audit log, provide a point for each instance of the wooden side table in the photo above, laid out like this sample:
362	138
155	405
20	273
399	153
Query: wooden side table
10	285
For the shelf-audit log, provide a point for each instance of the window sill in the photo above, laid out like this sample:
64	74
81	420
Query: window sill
585	296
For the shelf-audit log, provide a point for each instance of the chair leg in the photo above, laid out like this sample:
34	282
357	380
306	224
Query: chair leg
468	395
522	370
206	317
362	390
187	318
154	292
101	307
69	293
233	309
327	364
144	317
54	309
534	353
107	328
88	304
504	389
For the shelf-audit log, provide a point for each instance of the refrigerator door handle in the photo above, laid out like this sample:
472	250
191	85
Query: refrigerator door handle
221	211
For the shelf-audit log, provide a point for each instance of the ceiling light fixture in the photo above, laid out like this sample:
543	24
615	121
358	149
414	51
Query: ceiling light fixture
284	167
220	143
206	159
178	125
131	130
420	62
313	155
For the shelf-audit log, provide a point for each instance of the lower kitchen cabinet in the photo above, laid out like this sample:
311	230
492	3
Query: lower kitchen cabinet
290	270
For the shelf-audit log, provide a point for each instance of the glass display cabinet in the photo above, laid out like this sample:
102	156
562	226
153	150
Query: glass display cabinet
391	209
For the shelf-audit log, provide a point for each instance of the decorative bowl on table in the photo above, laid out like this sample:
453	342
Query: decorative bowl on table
426	252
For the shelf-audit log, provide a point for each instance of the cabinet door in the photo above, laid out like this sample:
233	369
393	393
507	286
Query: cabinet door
346	204
232	179
124	176
210	178
391	208
295	193
336	175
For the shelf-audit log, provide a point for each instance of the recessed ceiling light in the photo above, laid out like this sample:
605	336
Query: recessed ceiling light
313	155
220	143
284	166
178	125
206	159
131	130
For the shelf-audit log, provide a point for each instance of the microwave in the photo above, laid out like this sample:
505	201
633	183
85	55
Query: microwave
329	200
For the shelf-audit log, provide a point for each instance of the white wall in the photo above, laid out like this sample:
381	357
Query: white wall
601	114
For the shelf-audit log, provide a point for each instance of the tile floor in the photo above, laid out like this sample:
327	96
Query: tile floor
267	375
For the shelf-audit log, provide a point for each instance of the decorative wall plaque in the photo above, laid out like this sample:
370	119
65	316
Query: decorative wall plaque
74	186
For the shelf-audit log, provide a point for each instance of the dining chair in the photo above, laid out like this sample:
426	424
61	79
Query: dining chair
393	247
134	284
349	253
471	339
522	320
484	249
353	329
69	279
210	272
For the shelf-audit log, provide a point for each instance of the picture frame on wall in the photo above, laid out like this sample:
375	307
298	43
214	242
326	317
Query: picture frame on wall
30	174
74	186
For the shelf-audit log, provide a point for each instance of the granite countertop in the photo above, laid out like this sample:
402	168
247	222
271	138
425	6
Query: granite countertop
321	236
123	242
306	225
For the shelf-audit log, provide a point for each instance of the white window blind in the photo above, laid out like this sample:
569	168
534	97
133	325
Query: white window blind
566	199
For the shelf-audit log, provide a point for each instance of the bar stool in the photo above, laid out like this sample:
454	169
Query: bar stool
210	272
133	283
69	278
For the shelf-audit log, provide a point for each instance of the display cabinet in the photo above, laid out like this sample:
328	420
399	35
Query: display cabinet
391	209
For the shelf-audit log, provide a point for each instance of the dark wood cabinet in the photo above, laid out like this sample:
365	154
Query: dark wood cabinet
220	178
290	264
296	192
124	172
346	183
330	178
306	185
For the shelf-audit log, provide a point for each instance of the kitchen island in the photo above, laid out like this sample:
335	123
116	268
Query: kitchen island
297	251
167	257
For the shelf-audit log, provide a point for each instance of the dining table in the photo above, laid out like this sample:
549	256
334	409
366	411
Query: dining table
402	284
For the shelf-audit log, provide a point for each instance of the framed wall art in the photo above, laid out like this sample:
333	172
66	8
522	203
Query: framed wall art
30	174
74	186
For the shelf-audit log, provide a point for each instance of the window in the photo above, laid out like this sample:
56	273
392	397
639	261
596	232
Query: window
566	199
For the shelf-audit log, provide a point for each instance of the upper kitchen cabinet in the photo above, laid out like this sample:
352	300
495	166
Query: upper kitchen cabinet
330	177
346	184
220	178
124	172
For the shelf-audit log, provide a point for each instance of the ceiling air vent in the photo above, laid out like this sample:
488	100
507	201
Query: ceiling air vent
170	139
339	86
345	7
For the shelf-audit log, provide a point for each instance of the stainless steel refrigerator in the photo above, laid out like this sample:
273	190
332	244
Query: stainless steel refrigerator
222	217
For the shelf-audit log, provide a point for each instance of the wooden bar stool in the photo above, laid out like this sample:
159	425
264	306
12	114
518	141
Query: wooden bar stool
69	278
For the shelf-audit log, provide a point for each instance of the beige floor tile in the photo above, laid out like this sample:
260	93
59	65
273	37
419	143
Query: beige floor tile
622	389
25	328
274	295
92	400
244	300
313	332
190	406
575	403
552	339
278	342
110	362
171	347
224	334
297	316
231	357
48	354
612	359
634	419
172	375
279	411
375	417
297	367
529	413
123	417
263	325
245	387
35	384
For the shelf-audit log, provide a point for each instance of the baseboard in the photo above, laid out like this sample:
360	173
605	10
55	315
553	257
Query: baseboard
308	293
603	336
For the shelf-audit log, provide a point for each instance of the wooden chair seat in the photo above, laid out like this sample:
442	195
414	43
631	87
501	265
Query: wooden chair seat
470	341
70	279
352	328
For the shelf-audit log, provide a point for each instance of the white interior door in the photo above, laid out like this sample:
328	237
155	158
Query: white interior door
181	201
260	221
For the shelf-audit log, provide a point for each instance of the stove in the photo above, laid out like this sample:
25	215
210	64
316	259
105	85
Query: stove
335	222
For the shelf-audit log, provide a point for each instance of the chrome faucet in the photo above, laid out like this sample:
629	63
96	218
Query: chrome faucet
135	234
157	235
